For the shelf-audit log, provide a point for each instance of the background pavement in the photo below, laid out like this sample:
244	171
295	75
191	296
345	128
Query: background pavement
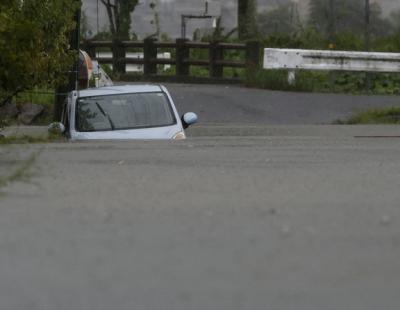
235	104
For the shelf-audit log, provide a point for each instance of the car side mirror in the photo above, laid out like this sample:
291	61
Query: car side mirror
188	119
56	128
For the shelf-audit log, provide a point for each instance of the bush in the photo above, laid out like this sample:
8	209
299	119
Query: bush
34	44
278	80
376	116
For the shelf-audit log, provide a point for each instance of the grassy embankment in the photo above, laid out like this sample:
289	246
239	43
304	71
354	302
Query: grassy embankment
374	116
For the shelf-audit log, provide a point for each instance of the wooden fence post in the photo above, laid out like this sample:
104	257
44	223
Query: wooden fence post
149	53
119	54
216	55
182	54
253	62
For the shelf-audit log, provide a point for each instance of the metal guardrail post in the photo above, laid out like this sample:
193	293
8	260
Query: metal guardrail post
216	55
149	53
292	77
182	54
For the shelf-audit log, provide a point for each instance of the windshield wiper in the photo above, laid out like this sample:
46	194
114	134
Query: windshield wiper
106	115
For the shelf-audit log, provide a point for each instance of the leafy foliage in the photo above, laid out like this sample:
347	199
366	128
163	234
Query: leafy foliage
119	16
321	81
395	20
34	44
348	16
282	20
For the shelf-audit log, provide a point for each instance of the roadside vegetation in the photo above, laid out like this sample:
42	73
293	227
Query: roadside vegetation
332	82
34	50
34	44
374	116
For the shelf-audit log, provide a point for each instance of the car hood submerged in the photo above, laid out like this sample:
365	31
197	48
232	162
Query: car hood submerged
158	133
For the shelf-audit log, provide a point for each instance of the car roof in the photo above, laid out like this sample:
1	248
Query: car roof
125	89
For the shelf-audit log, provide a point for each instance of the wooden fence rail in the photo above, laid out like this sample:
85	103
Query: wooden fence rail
216	61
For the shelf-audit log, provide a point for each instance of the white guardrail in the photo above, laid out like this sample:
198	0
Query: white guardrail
292	60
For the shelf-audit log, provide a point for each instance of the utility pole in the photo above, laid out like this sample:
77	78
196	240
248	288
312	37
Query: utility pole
367	35
332	39
75	46
73	75
367	40
332	24
294	14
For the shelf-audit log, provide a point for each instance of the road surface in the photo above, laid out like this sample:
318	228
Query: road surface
235	104
301	218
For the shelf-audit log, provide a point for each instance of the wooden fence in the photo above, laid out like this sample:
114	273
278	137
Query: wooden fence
216	61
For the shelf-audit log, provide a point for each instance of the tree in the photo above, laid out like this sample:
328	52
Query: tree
347	16
34	44
119	16
284	19
395	20
247	24
219	33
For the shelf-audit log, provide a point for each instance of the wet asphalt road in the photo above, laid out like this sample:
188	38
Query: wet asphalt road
301	218
235	104
240	216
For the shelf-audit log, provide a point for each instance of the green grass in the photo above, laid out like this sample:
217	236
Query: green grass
199	71
37	96
374	116
236	73
278	80
322	81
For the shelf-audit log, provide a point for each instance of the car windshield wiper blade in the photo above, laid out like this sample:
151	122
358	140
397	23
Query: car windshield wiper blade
106	115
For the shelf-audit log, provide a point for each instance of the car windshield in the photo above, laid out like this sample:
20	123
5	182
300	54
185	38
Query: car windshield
126	111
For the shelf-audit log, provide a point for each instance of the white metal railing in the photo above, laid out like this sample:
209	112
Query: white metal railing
293	59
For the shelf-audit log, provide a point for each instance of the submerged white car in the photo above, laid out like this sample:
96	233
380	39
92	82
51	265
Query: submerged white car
123	112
